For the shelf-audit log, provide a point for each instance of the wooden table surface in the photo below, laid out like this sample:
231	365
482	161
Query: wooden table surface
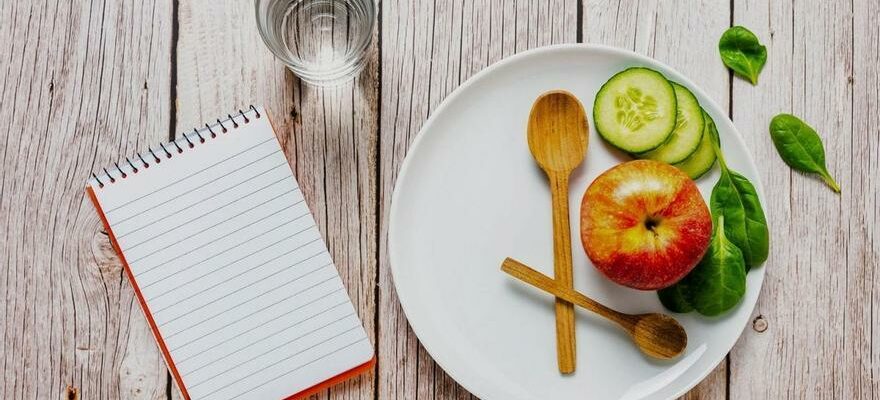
85	83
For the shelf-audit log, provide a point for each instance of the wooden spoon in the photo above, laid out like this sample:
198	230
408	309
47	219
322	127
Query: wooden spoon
557	136
656	335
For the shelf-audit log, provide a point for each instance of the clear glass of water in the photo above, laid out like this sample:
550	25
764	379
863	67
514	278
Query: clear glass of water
324	42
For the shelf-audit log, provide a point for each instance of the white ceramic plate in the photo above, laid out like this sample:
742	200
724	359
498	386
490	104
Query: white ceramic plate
469	194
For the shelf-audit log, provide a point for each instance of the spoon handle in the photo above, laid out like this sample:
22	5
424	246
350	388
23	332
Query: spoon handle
532	277
656	335
565	326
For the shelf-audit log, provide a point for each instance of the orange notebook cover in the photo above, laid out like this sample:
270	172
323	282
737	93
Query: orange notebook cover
229	267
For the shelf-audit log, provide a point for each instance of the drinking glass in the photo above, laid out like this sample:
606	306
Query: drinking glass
324	42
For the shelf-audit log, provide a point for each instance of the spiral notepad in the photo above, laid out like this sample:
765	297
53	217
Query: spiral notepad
228	265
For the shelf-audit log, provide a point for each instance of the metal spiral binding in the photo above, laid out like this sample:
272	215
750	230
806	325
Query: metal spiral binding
110	177
208	127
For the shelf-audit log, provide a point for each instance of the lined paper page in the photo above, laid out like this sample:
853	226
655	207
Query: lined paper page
232	268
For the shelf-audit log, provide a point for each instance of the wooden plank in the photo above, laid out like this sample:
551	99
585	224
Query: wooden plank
82	84
861	347
428	49
684	35
820	297
329	136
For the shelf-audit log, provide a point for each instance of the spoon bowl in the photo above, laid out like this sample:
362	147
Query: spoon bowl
558	132
659	335
656	335
557	136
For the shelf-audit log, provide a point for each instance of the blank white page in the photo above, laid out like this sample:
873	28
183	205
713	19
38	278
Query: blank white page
229	266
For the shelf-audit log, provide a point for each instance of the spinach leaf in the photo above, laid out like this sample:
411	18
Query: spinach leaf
742	52
718	282
735	199
800	147
740	240
675	299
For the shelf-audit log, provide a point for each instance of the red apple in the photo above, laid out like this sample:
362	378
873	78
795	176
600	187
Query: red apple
644	224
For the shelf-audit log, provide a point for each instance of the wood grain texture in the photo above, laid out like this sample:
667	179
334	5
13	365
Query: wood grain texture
429	48
684	35
557	136
820	297
80	85
861	347
329	136
656	335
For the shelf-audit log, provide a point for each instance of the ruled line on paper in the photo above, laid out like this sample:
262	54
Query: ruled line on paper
169	336
189	310
288	312
337	350
285	359
187	177
224	236
203	185
214	210
283	344
180	209
195	248
272	214
234	262
240	243
275	333
229	279
267	336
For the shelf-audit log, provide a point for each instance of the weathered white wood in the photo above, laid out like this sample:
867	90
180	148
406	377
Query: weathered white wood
428	49
684	35
329	136
820	298
862	344
81	84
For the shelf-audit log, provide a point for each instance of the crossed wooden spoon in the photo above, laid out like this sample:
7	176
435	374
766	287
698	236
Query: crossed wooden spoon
656	335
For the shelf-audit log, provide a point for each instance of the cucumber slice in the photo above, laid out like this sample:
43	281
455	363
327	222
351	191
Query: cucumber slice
702	160
685	138
635	110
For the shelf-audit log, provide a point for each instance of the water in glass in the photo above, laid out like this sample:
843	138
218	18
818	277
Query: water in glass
324	42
